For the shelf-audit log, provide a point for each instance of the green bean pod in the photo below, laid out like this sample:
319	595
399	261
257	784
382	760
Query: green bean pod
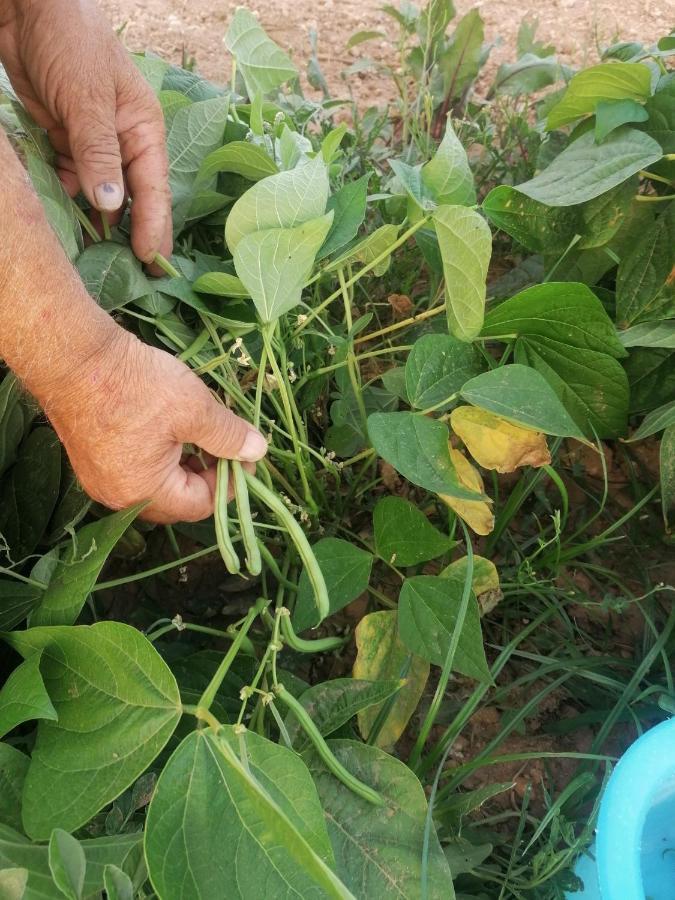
253	558
225	544
332	763
273	502
324	645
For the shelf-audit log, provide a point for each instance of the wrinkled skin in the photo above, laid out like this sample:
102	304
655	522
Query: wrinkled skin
123	410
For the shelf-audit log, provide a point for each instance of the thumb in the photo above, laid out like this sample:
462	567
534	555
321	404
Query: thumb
218	431
95	149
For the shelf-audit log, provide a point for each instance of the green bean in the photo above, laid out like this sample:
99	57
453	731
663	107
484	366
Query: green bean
273	502
253	559
225	544
325	645
332	763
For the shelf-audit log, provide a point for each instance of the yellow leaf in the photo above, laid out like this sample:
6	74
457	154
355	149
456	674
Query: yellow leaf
497	444
485	574
476	513
381	655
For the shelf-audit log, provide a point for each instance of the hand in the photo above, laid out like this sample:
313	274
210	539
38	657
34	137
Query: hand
124	421
77	81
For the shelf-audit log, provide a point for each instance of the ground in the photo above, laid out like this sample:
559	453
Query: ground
575	27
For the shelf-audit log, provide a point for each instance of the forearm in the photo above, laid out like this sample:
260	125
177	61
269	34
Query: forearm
51	331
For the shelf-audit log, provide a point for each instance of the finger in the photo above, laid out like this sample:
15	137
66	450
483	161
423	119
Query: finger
185	497
95	150
147	169
216	429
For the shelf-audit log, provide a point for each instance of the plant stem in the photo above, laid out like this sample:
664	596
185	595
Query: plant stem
406	323
85	222
148	573
166	266
352	366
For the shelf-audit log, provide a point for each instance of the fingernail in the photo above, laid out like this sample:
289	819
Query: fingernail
109	196
253	448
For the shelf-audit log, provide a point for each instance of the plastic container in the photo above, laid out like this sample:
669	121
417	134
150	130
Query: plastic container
635	845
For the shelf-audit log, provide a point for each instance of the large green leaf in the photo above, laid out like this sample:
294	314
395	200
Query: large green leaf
656	421
461	60
77	572
427	613
523	396
30	491
650	334
447	177
17	599
220	827
437	367
346	569
112	275
285	200
564	332
651	375
379	855
644	269
417	447
403	534
613	81
612	114
382	657
528	74
465	243
585	170
661	109
13	770
58	207
349	210
117	705
274	265
16	851
239	157
263	65
331	704
23	696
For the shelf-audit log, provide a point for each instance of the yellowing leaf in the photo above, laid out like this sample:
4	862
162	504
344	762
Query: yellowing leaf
485	574
476	513
381	656
497	444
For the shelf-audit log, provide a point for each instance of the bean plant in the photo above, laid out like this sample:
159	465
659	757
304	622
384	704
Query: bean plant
421	312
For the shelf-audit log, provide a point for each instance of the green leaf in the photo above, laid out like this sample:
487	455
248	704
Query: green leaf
218	827
196	131
220	284
433	20
112	275
117	884
285	200
403	534
427	613
379	856
72	507
239	157
16	601
529	74
644	269
465	242
117	705
58	207
447	177
23	697
274	265
332	704
461	61
437	367
585	170
667	468
661	111
330	145
602	217
171	102
13	883
521	395
380	657
651	374
656	421
565	334
346	569
13	770
369	249
152	68
650	334
263	65
360	37
349	210
67	863
77	572
537	227
614	81
12	421
16	851
611	114
30	492
417	447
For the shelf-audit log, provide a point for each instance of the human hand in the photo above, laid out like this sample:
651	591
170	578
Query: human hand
124	420
77	81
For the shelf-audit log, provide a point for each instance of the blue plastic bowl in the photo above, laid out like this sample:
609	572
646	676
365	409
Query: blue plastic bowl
635	846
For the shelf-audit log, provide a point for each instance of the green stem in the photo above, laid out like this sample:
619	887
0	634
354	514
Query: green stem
324	645
260	383
352	367
649	198
148	573
85	222
166	266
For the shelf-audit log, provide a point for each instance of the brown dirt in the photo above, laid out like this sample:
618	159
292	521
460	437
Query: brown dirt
575	27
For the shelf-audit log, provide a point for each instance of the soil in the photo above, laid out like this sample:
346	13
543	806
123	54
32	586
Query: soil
576	28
